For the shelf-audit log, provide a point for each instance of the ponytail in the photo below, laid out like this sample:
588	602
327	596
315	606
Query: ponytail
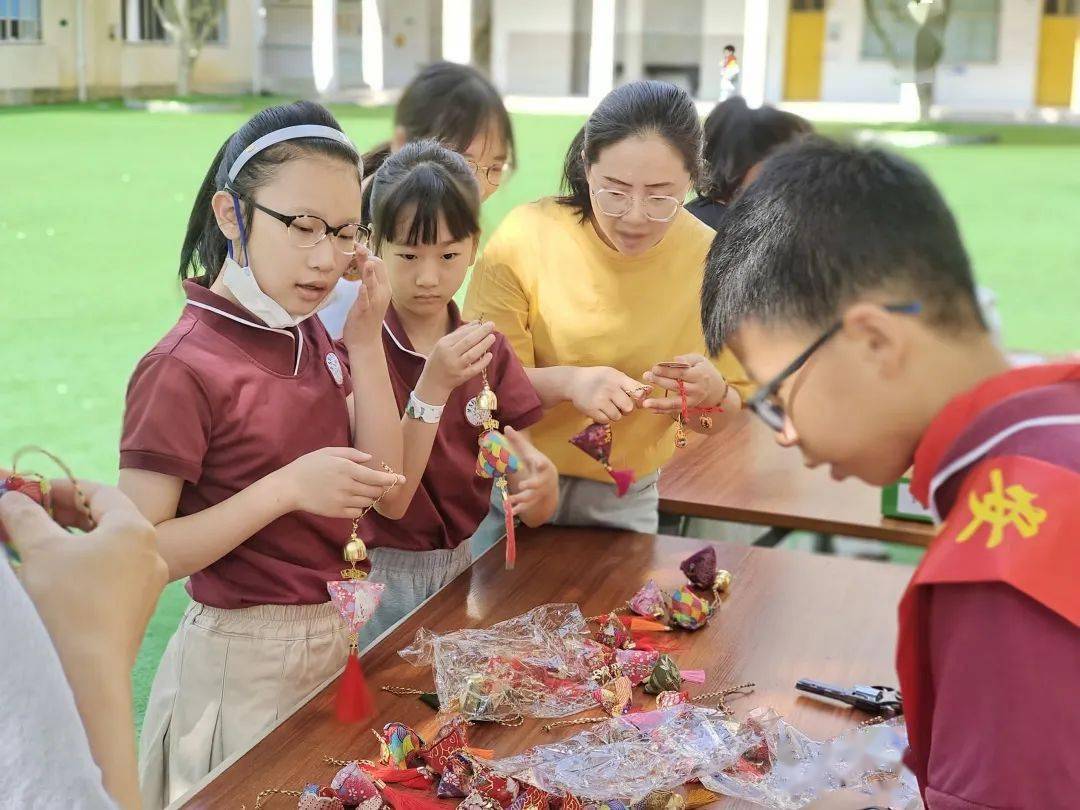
574	183
205	246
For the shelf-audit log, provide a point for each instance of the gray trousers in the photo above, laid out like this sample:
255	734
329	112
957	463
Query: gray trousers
584	502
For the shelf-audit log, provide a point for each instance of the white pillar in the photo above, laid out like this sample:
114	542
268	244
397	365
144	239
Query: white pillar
634	40
754	57
457	31
324	56
1075	106
80	48
371	45
258	40
602	49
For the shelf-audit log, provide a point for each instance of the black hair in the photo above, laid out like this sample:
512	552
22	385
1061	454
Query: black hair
205	246
825	225
736	138
729	47
634	109
449	103
423	180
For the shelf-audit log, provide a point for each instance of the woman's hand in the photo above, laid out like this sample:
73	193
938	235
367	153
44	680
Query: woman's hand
363	324
604	394
94	592
334	482
703	384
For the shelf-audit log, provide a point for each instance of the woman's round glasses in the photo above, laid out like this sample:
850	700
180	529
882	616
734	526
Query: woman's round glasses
657	207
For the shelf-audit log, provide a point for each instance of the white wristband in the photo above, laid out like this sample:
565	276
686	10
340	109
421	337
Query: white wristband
418	409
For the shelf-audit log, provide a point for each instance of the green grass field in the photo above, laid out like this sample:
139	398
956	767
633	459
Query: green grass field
95	200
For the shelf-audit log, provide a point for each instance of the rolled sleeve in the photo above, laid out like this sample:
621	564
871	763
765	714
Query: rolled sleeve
497	294
167	419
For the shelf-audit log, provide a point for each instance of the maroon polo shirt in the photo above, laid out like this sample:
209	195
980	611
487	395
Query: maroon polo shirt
222	401
1002	667
451	499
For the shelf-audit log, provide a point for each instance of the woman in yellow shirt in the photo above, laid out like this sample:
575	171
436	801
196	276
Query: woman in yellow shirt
596	288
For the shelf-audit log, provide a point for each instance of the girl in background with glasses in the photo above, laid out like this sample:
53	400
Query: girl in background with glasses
597	288
251	440
457	106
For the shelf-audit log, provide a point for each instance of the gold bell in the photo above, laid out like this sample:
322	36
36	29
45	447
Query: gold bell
680	437
722	582
487	401
355	551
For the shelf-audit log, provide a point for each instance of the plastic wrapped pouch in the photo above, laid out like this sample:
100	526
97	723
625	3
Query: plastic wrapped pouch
627	758
534	665
782	768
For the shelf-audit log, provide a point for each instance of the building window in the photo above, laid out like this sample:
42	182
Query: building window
141	23
20	20
971	35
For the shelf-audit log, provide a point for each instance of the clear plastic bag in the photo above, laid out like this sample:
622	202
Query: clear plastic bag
534	665
782	768
627	758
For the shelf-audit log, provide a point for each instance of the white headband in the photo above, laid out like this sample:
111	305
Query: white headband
286	134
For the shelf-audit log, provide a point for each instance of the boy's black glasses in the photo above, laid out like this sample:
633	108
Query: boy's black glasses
307	230
764	402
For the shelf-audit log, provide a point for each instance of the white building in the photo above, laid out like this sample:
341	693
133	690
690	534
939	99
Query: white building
1002	57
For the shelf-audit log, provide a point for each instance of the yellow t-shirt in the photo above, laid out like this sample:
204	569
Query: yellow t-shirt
564	298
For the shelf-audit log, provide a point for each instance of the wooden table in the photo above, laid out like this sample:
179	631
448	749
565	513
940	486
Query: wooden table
742	475
788	615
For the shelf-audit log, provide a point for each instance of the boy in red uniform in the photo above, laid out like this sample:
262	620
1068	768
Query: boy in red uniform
840	281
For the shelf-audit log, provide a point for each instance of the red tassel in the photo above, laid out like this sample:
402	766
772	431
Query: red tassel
354	701
401	800
409	777
511	540
623	479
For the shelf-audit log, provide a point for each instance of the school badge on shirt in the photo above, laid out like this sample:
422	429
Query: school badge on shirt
334	365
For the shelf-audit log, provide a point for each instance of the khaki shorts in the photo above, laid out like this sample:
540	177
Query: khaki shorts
411	578
584	502
225	678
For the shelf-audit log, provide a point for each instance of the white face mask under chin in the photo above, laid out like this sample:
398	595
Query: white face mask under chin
241	282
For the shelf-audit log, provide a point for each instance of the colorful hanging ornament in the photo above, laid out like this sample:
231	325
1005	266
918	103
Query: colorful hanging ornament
319	798
615	696
355	788
688	610
39	489
651	601
497	460
399	746
490	785
595	441
637	665
611	631
665	700
700	567
532	798
665	677
476	801
356	600
450	740
456	777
